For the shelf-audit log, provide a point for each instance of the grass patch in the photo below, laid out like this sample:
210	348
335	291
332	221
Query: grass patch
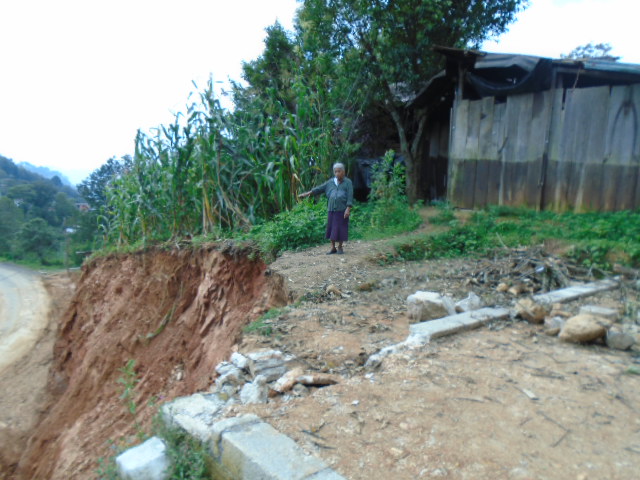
262	326
592	239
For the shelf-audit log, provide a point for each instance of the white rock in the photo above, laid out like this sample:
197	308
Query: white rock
234	377
553	325
255	392
194	414
472	302
271	364
240	361
225	367
147	461
582	328
620	340
423	306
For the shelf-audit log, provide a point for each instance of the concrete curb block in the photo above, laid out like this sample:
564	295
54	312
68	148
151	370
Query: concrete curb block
458	323
577	291
246	448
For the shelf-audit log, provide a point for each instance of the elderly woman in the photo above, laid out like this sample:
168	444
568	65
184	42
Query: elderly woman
339	192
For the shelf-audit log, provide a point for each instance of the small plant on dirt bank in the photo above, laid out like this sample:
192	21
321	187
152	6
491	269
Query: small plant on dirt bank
129	380
262	325
188	456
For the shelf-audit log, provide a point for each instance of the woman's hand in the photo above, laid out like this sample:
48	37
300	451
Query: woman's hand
347	212
304	195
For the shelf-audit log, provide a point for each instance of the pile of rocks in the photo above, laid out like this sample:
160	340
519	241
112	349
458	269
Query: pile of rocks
256	377
425	305
252	378
593	323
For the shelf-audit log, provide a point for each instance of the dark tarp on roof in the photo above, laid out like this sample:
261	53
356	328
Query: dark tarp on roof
498	74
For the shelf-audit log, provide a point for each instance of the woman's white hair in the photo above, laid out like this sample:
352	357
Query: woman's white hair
339	165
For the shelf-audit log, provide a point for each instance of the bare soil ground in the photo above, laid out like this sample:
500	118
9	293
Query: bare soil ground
501	402
23	394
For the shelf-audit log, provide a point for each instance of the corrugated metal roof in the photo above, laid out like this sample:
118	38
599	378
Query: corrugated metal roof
601	65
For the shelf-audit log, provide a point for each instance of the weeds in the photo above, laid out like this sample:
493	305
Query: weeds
594	241
129	380
262	326
188	456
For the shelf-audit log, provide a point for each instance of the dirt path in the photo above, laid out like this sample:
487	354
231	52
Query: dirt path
23	378
23	312
501	402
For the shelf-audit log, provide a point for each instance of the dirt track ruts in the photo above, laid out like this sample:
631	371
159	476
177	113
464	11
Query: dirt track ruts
24	309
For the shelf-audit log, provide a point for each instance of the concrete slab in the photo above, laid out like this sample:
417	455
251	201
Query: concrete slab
577	291
194	414
610	314
456	323
250	450
147	461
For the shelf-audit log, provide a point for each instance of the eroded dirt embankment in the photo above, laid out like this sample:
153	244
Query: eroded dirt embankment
176	313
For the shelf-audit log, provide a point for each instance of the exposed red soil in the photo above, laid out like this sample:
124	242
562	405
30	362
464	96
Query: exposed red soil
205	297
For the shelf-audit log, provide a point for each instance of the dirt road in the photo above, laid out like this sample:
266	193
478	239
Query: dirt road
24	307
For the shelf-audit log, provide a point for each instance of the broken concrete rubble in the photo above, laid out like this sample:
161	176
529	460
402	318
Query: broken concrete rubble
147	461
428	306
271	364
255	392
472	302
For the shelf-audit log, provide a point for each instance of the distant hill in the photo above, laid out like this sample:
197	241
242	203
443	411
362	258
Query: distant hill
46	172
12	175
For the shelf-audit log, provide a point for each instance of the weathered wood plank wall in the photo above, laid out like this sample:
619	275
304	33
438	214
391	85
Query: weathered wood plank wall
574	149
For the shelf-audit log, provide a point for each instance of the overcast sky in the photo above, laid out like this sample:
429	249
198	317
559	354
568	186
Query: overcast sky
79	77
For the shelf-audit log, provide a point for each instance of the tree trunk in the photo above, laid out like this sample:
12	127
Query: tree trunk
411	150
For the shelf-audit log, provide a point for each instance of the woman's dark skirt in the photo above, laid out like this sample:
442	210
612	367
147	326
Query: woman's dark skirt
337	227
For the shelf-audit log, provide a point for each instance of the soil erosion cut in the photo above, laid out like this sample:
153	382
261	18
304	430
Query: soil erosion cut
176	313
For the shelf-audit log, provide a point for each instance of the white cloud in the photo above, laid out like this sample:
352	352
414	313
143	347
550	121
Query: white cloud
553	27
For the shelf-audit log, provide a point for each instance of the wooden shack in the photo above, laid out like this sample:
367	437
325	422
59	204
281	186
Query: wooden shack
534	132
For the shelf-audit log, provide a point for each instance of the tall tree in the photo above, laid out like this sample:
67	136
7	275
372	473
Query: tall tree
93	188
385	48
591	50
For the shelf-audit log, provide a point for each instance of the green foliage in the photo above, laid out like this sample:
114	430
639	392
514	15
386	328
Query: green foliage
383	52
302	226
445	215
591	50
38	219
262	326
387	211
596	238
35	236
129	380
189	457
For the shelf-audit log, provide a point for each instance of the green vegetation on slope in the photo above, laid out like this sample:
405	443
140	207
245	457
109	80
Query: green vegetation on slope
39	221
